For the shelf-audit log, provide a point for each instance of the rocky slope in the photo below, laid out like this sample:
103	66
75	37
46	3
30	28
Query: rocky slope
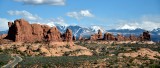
143	52
45	49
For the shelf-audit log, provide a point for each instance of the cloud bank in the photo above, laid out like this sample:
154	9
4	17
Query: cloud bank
24	14
31	18
144	22
41	2
4	24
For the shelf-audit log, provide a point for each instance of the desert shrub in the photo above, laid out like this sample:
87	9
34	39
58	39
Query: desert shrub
157	57
1	50
4	59
63	61
113	44
154	66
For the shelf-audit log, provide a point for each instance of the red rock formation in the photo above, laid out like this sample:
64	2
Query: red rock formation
54	35
126	39
120	37
93	37
109	37
68	35
140	38
22	31
45	28
133	38
74	38
80	37
100	34
10	24
146	36
3	36
97	36
37	32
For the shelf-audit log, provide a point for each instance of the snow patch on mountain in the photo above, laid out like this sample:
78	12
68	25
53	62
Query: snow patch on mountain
75	34
50	24
127	27
96	28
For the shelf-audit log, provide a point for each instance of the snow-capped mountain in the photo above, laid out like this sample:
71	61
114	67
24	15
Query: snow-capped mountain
87	31
3	32
78	30
127	27
96	28
156	31
136	31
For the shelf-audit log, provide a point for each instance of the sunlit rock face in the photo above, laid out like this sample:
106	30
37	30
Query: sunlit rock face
22	31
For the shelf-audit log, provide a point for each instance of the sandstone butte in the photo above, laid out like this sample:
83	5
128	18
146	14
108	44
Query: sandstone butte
21	31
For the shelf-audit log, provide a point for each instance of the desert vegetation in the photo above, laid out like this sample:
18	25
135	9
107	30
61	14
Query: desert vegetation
4	58
103	55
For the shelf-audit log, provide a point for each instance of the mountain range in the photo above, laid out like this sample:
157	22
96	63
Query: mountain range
125	30
87	31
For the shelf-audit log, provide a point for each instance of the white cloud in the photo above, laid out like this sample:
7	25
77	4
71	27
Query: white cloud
58	21
74	15
40	2
24	14
54	21
86	13
51	22
36	19
80	14
4	24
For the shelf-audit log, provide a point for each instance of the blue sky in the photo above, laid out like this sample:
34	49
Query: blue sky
109	14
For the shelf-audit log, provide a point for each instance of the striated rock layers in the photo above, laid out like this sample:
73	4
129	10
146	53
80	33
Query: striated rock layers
22	31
